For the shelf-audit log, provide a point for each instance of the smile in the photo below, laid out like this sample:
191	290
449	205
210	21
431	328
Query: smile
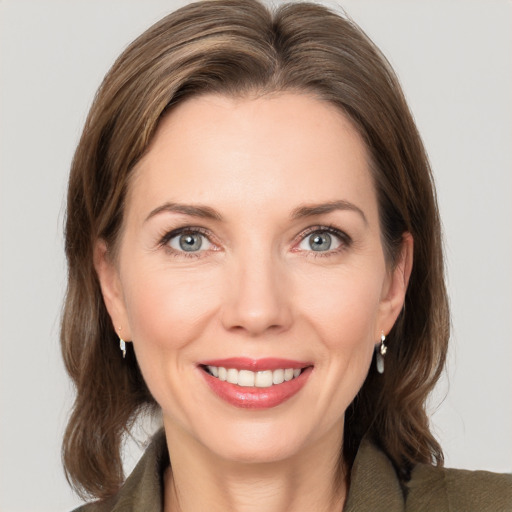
255	384
248	378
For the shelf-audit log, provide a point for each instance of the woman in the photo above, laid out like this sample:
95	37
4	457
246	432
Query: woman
254	250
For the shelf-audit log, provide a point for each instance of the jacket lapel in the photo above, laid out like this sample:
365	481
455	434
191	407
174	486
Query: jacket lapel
374	485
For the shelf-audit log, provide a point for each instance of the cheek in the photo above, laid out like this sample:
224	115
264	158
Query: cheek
168	312
344	306
167	309
344	313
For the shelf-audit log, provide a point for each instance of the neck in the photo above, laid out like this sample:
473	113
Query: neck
200	480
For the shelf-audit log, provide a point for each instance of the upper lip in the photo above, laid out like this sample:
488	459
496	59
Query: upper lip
255	365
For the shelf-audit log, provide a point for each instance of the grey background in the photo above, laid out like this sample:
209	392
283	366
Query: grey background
454	60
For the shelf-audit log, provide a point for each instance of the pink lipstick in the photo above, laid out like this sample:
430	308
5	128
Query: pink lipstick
255	383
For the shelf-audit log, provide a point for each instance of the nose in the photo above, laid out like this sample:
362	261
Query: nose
258	299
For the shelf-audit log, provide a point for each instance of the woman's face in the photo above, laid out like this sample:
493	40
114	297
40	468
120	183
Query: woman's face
251	248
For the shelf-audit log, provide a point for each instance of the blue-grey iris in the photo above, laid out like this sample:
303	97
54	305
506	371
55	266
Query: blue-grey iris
320	242
191	242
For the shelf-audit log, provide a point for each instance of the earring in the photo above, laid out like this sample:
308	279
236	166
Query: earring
380	352
122	343
122	346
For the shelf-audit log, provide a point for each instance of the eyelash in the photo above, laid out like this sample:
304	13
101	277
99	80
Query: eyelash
164	241
346	240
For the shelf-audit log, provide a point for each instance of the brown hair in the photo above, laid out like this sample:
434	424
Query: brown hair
236	47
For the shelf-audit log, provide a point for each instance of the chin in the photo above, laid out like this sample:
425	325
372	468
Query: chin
258	441
258	451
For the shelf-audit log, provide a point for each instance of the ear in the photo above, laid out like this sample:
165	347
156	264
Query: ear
395	287
111	289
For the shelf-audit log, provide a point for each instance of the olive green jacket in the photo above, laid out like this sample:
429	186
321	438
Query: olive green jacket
374	487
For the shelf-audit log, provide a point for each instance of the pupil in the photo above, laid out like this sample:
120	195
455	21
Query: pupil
190	242
321	242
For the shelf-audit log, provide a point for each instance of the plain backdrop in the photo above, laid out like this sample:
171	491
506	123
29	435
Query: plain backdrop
454	59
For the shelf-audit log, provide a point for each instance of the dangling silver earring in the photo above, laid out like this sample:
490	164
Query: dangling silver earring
122	343
380	352
122	346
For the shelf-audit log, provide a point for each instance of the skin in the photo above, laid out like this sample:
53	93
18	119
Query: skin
255	289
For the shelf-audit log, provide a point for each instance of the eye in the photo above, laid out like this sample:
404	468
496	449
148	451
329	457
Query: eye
322	240
189	241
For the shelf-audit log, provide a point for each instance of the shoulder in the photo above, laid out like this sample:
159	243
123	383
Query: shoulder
432	488
97	506
375	486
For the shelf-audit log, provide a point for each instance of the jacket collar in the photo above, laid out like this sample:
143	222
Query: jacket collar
374	485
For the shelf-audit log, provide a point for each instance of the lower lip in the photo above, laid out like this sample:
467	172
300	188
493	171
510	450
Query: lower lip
257	398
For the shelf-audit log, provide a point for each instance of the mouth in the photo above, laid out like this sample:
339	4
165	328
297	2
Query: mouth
249	379
255	384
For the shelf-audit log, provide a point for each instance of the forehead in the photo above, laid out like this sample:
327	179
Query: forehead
234	152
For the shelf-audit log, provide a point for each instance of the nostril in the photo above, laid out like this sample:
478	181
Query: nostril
256	304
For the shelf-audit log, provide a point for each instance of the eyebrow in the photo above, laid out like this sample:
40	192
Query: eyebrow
300	212
201	211
322	208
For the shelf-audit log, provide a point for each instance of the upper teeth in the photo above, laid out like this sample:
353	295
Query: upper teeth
247	378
